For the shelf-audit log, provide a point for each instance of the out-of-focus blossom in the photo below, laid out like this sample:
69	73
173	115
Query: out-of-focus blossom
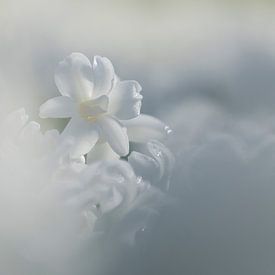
31	204
54	204
96	100
153	161
108	191
22	143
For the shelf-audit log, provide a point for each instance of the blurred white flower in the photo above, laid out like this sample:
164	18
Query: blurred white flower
53	205
153	161
32	208
22	143
108	193
96	100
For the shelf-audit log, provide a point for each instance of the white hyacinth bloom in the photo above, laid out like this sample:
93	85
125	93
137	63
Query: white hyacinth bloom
97	102
53	200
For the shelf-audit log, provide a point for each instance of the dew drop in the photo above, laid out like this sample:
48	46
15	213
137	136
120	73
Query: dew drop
139	180
156	150
139	235
158	154
168	130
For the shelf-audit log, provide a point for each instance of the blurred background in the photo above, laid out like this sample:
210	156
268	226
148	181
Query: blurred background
207	69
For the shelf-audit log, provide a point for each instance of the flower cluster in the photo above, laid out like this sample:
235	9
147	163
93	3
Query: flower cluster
107	164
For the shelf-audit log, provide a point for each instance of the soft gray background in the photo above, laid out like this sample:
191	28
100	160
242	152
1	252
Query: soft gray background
208	70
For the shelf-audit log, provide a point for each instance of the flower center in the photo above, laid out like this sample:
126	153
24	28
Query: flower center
84	112
90	110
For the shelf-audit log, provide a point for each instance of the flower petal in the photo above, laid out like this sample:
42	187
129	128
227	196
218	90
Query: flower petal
115	134
101	151
144	128
103	76
59	107
73	77
153	161
144	166
125	99
83	134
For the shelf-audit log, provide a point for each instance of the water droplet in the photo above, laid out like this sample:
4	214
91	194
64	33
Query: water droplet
156	151
139	236
139	180
168	130
158	154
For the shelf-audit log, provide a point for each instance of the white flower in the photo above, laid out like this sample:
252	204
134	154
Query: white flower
96	100
57	202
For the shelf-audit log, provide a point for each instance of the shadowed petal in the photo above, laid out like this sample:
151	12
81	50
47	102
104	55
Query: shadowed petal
83	135
125	100
144	165
153	161
103	76
115	134
73	77
144	128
